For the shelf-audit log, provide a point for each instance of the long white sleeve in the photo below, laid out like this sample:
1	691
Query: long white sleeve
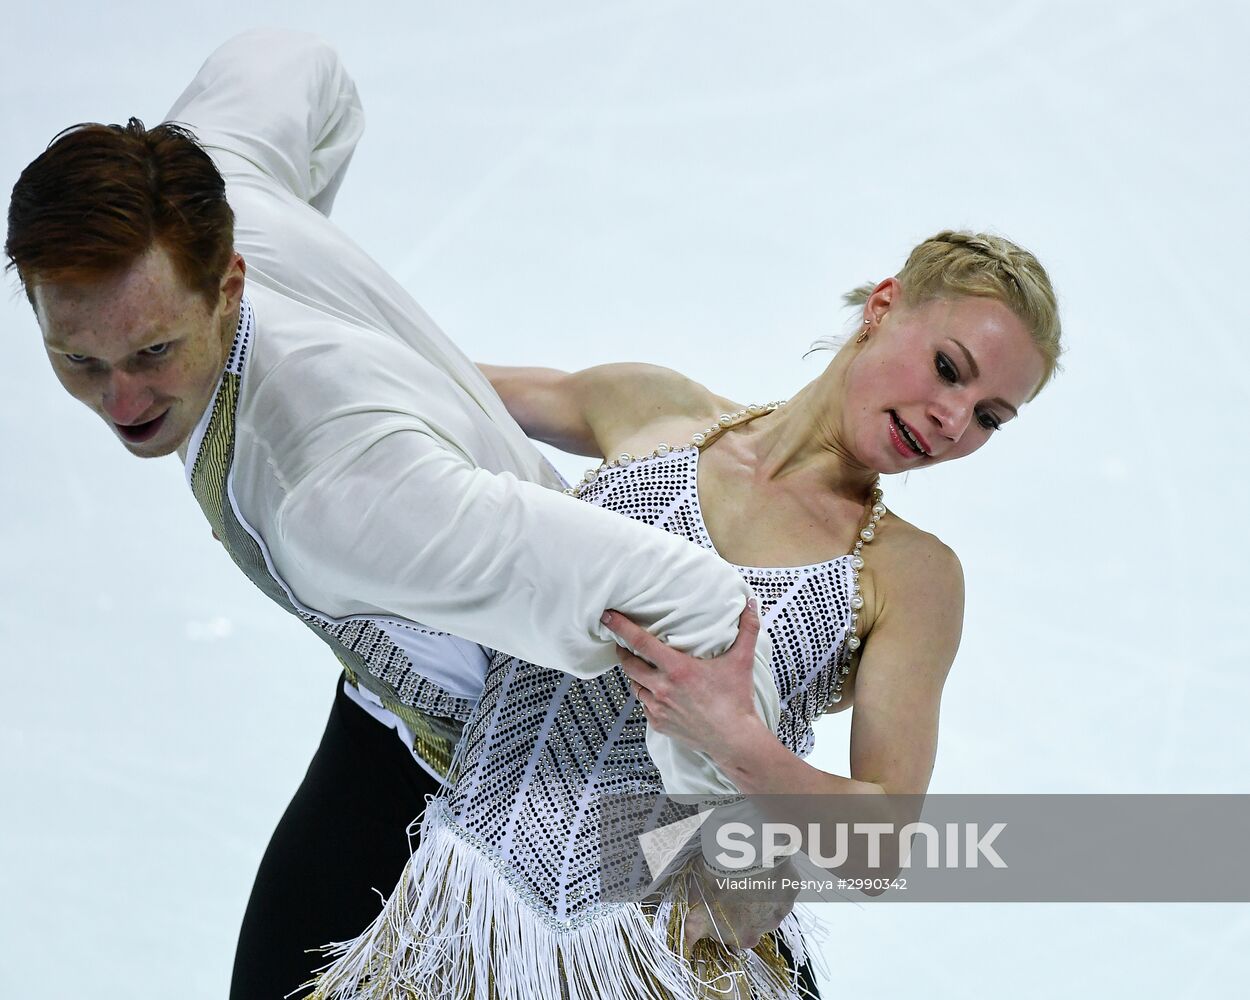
378	464
284	102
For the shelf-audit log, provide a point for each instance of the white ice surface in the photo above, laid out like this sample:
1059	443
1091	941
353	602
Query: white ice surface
692	184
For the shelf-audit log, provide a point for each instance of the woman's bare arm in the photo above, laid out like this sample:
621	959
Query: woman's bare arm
898	690
547	403
589	412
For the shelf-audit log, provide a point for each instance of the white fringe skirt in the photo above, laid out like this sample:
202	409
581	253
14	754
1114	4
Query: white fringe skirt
455	929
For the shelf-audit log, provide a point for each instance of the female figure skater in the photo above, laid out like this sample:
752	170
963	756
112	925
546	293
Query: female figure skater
502	899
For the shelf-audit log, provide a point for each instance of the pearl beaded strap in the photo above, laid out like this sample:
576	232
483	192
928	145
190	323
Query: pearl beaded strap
866	535
705	437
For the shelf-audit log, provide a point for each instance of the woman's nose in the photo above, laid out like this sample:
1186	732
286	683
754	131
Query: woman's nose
952	416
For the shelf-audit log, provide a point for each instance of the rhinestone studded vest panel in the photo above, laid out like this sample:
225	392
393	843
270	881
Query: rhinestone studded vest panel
370	658
543	746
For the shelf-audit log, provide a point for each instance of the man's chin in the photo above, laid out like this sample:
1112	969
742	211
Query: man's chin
151	449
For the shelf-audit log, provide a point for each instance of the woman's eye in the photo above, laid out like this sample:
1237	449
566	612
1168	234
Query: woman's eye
988	421
945	368
77	359
156	350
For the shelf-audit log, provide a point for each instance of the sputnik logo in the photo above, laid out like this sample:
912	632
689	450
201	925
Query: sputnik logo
662	845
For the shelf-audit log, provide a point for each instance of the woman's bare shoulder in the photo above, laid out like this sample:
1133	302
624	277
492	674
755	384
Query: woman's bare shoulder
907	556
634	407
912	581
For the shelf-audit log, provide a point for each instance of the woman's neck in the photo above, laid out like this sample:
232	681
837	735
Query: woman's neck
805	439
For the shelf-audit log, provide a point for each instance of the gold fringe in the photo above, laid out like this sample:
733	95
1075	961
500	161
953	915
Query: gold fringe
453	918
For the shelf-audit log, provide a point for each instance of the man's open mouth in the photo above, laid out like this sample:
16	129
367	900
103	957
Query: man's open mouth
138	433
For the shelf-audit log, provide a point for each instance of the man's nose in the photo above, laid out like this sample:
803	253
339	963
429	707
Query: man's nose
126	397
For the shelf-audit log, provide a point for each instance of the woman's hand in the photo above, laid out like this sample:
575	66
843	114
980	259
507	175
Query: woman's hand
707	704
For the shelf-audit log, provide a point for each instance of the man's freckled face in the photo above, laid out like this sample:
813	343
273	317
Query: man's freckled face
140	349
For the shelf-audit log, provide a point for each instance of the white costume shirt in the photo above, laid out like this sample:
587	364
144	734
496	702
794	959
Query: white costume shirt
376	462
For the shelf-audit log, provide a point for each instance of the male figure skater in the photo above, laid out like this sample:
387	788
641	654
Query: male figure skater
354	464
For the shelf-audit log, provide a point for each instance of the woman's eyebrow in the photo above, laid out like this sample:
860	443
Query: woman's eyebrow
972	362
976	373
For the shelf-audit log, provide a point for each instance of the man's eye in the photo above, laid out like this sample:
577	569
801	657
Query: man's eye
945	369
156	350
77	359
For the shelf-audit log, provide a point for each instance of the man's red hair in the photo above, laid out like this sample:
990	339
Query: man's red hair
100	196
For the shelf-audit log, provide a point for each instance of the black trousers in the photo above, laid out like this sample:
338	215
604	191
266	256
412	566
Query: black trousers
343	836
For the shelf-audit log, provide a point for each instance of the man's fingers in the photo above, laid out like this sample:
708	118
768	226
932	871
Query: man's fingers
696	926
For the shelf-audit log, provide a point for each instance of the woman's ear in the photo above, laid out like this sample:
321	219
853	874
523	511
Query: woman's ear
887	295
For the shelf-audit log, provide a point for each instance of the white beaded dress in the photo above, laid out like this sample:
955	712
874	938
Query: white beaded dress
502	897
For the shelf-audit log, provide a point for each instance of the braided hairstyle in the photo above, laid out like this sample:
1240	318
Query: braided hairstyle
957	262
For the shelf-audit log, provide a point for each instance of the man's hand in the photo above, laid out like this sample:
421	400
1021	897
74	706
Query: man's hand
706	704
737	918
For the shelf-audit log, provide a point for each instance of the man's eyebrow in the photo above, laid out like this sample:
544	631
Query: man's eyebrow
158	336
976	373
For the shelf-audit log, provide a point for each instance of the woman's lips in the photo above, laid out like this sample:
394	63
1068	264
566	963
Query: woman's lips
899	440
138	433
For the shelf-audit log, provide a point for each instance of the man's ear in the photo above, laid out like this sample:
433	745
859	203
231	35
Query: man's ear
232	282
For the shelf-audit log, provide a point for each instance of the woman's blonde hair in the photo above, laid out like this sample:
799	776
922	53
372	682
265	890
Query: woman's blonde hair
957	262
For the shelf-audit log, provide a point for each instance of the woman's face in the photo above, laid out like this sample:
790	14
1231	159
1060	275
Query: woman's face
934	382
